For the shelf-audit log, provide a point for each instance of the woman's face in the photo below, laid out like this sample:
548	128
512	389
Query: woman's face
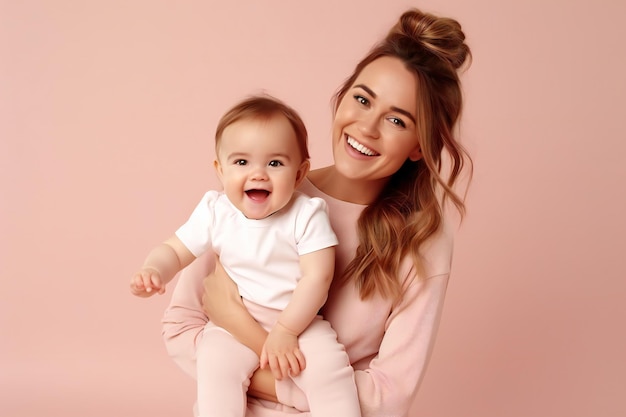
374	127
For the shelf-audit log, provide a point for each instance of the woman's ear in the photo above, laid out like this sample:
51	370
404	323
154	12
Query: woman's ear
302	172
416	154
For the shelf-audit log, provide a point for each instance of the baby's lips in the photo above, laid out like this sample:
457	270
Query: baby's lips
257	195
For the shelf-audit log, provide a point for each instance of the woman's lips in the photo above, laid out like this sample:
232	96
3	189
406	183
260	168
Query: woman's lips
359	147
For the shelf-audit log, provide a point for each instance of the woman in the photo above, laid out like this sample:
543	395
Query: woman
394	118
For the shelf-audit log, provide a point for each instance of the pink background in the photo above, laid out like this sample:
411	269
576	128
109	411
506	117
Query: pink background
107	111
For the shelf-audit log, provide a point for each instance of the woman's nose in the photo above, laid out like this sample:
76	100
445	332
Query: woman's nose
368	126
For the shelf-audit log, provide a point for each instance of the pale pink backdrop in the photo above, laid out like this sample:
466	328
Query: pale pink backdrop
107	110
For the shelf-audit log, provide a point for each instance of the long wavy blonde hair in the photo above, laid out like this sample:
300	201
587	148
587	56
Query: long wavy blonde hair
410	208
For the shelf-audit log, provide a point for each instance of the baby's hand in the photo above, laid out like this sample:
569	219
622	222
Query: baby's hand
281	353
146	283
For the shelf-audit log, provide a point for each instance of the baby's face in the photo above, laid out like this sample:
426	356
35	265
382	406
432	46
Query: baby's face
259	165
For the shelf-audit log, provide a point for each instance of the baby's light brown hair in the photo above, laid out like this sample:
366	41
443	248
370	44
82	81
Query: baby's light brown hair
264	107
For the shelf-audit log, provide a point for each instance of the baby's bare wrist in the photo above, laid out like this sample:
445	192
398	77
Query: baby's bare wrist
285	329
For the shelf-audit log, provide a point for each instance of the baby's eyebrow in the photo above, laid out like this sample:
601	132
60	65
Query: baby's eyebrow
246	155
237	155
281	155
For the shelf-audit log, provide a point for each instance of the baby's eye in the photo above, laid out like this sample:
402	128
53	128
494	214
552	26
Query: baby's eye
397	122
241	162
275	163
362	100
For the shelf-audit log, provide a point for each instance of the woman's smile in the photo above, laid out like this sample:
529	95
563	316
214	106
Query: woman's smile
364	150
374	122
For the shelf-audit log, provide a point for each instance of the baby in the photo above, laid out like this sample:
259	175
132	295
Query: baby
278	246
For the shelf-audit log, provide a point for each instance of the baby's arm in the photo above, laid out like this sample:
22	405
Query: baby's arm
161	265
280	350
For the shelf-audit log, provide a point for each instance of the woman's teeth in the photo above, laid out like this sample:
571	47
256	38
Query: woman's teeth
360	147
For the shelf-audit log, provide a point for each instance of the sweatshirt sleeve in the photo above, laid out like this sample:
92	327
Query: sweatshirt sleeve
388	386
184	318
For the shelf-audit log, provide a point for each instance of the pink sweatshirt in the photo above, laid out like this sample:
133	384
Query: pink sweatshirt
388	347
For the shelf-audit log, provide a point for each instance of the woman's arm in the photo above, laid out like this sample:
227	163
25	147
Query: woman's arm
223	304
387	387
263	385
184	319
390	384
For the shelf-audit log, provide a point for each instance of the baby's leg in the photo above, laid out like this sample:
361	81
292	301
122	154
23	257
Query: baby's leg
224	369
328	379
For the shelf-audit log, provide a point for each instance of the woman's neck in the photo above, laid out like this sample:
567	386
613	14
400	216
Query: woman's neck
331	182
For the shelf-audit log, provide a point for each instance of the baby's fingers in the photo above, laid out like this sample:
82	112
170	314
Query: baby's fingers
148	279
263	360
145	282
279	366
296	362
155	282
136	284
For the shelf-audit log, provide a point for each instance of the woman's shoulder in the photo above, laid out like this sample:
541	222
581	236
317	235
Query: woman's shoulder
307	187
438	250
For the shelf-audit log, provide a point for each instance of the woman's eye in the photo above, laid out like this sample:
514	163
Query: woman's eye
362	100
241	162
275	163
397	122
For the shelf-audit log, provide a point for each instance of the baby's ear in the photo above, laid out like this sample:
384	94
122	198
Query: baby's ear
305	166
218	169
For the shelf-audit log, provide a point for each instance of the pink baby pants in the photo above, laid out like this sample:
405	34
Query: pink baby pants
224	367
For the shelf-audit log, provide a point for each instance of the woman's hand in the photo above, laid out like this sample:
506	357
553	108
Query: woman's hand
221	300
222	303
263	385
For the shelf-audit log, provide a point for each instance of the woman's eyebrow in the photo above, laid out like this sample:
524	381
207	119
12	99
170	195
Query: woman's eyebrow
396	109
404	112
367	89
